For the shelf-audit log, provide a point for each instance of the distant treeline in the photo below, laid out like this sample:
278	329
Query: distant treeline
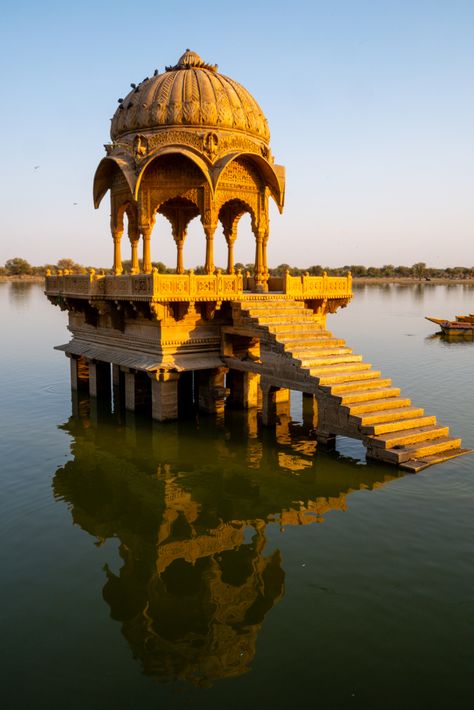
21	267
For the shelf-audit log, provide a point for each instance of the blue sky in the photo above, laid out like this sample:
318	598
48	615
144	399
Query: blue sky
370	106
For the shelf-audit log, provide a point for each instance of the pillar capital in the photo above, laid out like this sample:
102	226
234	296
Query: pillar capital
164	376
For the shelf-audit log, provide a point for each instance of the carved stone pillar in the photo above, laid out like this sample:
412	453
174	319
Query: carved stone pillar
134	237
135	263
117	236
230	235
179	237
259	264
209	229
146	234
264	248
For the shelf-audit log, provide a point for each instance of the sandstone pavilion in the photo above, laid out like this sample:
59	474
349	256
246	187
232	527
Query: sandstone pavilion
193	143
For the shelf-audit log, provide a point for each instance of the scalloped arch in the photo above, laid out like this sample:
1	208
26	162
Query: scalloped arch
104	174
275	183
174	150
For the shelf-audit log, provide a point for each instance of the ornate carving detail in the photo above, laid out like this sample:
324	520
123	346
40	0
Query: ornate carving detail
210	144
227	142
140	146
190	93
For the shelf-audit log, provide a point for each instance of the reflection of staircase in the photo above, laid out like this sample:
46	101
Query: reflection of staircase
353	399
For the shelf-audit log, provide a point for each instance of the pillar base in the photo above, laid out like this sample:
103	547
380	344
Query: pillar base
164	396
244	388
99	379
79	368
272	398
211	390
326	439
310	411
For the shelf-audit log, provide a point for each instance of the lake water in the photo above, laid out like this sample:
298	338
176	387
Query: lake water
215	564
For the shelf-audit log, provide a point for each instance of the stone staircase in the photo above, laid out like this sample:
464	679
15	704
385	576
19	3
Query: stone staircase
353	399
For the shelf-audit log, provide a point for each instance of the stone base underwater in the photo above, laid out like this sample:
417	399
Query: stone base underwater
250	352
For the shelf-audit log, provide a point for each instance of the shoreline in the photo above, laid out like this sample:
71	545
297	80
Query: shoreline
22	279
356	281
409	281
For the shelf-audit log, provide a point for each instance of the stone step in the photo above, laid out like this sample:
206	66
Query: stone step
345	376
287	311
378	405
387	415
343	389
415	465
350	368
315	336
301	321
395	440
305	345
367	395
415	451
316	361
399	425
314	354
290	329
273	307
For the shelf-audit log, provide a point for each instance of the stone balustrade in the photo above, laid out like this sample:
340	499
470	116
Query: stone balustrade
192	287
324	286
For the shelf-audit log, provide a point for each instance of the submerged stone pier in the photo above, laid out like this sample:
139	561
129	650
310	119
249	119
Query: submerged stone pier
169	343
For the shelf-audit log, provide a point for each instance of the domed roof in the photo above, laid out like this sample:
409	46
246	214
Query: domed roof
192	93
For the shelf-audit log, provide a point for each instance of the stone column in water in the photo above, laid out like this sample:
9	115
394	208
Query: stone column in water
244	389
310	411
164	396
99	378
79	372
271	398
211	389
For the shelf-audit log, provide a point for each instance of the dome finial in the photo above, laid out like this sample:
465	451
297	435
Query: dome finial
192	60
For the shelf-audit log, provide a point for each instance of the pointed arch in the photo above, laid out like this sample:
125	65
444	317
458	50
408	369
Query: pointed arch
107	171
272	175
173	150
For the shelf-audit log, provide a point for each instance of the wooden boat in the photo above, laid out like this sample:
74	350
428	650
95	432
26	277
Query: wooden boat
462	325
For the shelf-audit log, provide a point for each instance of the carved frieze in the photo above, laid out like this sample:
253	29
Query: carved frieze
213	144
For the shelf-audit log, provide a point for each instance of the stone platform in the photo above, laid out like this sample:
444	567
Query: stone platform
213	343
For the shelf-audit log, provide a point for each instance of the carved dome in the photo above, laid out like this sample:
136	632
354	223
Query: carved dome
192	93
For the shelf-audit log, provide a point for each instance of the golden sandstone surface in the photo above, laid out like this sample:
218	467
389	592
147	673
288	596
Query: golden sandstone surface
190	143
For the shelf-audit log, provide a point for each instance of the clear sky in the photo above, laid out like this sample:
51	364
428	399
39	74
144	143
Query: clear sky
370	105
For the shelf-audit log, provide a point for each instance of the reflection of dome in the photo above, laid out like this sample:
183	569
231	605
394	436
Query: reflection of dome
192	93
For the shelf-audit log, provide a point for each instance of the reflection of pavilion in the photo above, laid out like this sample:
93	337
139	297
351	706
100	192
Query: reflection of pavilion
190	513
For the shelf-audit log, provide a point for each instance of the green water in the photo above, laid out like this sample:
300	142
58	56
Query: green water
212	563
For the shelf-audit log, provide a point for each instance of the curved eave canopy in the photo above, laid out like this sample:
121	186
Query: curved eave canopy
104	175
170	150
273	175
